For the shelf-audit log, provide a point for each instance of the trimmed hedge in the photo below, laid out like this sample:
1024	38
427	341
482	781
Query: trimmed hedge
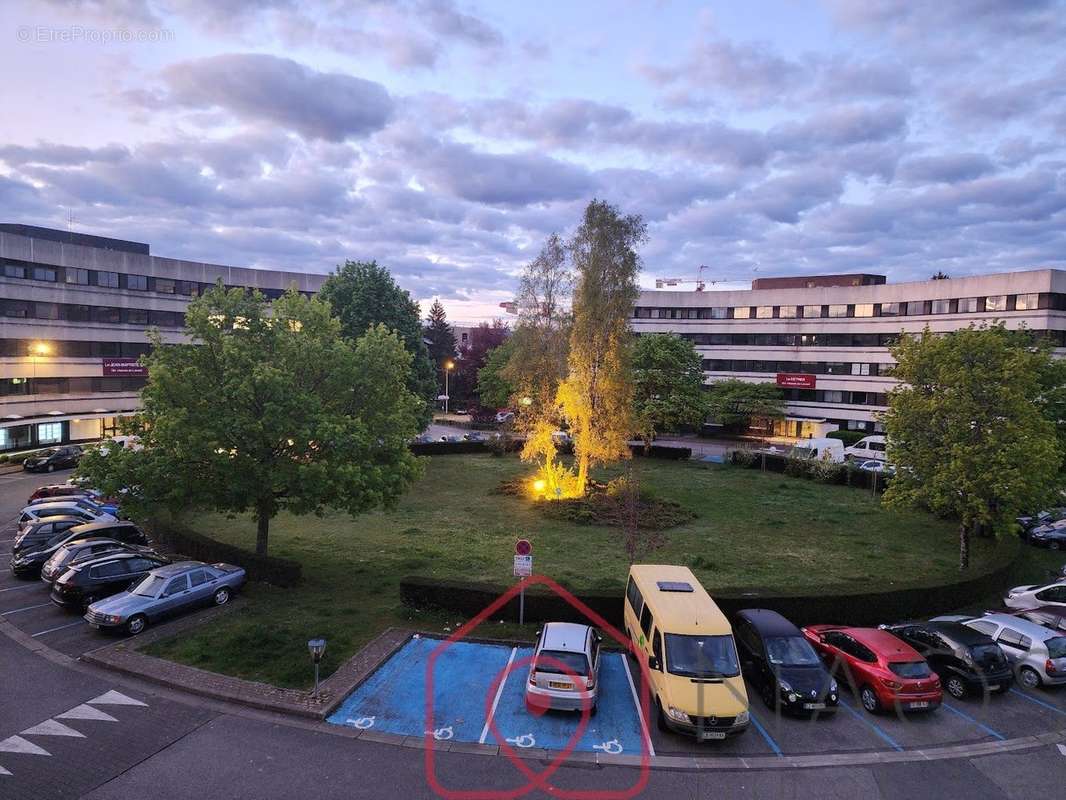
668	452
856	608
839	474
458	448
268	569
847	437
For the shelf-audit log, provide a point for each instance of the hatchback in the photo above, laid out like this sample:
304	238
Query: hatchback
1038	654
89	581
43	511
967	661
78	552
52	459
1053	617
57	490
1049	594
565	668
28	558
39	535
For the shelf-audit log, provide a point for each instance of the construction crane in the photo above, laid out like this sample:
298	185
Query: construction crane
701	284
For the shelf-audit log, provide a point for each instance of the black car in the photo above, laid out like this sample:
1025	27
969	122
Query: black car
78	552
967	661
28	558
89	581
1052	535
782	666
40	535
52	459
1028	522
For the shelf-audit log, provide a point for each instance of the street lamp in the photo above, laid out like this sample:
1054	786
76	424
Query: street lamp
448	367
316	647
38	350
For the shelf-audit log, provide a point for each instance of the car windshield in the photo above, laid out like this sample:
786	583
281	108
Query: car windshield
47	453
802	452
910	669
701	656
149	587
791	651
553	661
1056	648
986	652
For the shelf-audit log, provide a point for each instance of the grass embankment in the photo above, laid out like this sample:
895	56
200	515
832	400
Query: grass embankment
751	529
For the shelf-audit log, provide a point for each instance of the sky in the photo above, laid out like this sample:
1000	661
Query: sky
447	139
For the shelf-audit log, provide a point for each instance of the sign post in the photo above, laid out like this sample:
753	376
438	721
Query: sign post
523	568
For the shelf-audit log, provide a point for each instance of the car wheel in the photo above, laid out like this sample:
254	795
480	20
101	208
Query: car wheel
767	696
956	688
51	467
660	716
221	596
137	624
869	700
1029	678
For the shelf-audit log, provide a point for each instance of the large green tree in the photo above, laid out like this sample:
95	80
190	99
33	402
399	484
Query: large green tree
493	389
736	402
363	294
667	384
968	427
268	408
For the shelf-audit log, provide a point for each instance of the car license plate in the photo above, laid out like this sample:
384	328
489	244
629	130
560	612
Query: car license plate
814	706
704	735
559	685
94	625
919	704
994	687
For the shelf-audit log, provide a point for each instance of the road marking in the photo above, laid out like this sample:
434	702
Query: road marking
58	628
16	744
4	771
16	588
525	740
496	699
1056	709
765	734
877	728
86	712
981	725
114	698
1062	748
27	608
636	705
52	728
613	747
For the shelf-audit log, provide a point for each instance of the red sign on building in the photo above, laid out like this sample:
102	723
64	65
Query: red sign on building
796	380
123	367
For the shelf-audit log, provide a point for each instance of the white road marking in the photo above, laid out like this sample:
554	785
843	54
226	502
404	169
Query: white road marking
114	698
363	723
52	728
636	705
27	608
86	712
58	628
24	586
4	771
525	740
1062	749
16	744
496	699
614	747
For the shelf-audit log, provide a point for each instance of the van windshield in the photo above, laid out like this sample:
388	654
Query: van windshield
803	452
701	656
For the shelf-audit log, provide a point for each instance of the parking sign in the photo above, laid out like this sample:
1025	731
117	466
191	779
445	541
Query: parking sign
523	566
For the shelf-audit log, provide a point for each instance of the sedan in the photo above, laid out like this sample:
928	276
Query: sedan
78	552
91	580
885	671
165	591
1050	594
1051	535
52	459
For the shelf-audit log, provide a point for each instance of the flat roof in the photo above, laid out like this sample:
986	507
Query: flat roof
72	237
688	612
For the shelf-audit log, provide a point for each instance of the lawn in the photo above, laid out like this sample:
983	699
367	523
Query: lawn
751	530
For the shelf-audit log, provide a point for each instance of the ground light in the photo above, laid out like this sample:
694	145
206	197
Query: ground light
316	647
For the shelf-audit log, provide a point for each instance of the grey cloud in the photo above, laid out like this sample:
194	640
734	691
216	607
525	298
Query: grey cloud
448	21
784	198
61	154
837	127
950	168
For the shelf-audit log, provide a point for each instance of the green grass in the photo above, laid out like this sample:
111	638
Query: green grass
751	530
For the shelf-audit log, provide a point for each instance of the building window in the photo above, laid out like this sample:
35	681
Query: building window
860	369
164	285
838	311
856	425
136	316
996	303
836	368
642	313
47	311
879	427
192	288
941	307
833	397
969	305
764	312
107	314
50	432
741	313
917	308
14	271
78	276
137	282
864	309
788	312
812	312
890	309
44	274
1027	302
109	280
16	308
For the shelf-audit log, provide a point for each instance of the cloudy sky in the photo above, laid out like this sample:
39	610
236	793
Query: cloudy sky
447	138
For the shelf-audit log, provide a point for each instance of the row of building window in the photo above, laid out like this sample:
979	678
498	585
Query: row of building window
10	387
836	397
71	312
964	305
19	348
76	276
1057	338
807	367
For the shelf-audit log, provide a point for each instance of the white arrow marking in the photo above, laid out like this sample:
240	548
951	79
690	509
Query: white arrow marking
525	740
614	747
52	728
16	744
86	712
114	698
4	771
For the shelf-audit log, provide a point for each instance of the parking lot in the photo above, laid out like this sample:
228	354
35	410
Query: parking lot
469	706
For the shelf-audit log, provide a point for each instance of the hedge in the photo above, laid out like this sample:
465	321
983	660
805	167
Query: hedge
855	608
838	474
187	542
458	448
847	437
662	451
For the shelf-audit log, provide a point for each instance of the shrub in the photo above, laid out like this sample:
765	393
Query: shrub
847	437
798	467
744	458
827	471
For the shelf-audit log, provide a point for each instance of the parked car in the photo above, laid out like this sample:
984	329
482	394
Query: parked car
57	490
1051	535
867	448
877	466
819	450
967	661
53	458
562	440
1049	594
62	508
563	646
36	536
165	591
89	500
886	672
1037	654
781	664
1053	617
83	584
28	557
1030	521
80	551
504	415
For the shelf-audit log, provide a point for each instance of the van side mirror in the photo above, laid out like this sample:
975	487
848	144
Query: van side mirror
653	663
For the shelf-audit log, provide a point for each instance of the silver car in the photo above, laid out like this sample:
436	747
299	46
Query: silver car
1038	654
564	673
64	508
164	591
1045	594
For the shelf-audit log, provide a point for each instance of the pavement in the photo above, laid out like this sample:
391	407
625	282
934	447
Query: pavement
71	730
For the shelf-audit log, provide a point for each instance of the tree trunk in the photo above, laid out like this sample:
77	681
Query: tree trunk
582	473
262	531
964	547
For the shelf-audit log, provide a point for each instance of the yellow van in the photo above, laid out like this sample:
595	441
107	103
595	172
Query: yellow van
687	644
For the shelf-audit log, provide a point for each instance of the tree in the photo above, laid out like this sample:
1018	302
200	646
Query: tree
493	389
440	338
362	295
597	395
667	385
472	358
736	402
267	408
967	430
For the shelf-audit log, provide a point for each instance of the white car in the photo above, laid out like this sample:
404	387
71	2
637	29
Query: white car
504	416
63	508
565	670
1048	594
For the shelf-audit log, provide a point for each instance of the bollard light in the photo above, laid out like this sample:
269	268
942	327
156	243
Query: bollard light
316	647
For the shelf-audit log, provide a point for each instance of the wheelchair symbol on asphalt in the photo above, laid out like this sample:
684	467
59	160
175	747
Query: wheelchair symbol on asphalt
363	723
614	747
441	734
525	740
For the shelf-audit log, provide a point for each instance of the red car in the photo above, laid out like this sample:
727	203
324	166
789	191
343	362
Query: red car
57	490
886	672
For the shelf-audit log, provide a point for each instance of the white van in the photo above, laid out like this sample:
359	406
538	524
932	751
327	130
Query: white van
867	448
819	450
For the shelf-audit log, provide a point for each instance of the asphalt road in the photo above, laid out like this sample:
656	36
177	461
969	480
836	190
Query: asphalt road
71	731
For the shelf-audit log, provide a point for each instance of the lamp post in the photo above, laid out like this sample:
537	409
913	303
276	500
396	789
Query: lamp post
448	367
38	350
316	647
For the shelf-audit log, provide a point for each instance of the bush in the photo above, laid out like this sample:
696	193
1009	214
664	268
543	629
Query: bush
744	458
847	437
196	546
662	451
798	468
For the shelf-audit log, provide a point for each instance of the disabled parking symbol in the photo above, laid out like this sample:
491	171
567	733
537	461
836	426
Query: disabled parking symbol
441	734
363	723
525	740
614	747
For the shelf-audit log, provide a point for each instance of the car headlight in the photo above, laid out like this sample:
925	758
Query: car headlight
833	686
742	718
676	714
786	687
